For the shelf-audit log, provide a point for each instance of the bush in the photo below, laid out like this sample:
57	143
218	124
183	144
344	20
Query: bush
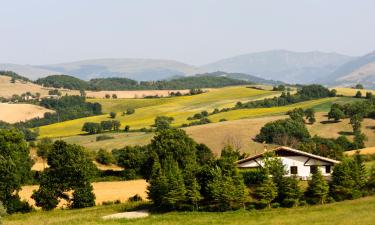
130	111
104	157
252	177
83	197
103	137
3	210
112	115
135	198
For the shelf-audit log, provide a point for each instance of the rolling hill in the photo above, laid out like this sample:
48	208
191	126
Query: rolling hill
287	66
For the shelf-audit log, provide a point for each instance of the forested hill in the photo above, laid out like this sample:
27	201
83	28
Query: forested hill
69	82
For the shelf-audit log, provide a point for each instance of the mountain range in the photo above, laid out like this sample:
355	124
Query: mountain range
282	65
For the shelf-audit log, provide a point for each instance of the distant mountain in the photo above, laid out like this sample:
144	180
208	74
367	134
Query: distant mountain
29	71
137	69
287	66
360	70
242	76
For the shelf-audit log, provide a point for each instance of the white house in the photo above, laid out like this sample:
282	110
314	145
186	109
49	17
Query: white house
297	163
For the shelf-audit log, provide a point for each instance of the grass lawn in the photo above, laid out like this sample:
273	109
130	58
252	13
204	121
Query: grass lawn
360	211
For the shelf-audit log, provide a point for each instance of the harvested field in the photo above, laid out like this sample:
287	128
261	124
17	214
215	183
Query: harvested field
352	91
104	191
7	89
12	113
363	151
133	94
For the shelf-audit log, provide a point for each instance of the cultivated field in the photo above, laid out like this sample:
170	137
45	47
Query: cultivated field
104	191
133	94
178	107
354	212
351	91
7	89
363	151
13	113
120	140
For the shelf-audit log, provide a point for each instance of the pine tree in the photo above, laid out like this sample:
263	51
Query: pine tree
176	193
371	181
289	192
318	188
266	192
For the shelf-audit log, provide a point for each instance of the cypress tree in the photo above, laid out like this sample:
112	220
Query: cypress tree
318	188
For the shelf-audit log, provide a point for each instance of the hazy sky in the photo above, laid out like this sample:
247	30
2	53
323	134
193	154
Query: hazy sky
192	31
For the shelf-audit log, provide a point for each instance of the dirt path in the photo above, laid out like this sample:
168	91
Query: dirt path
128	215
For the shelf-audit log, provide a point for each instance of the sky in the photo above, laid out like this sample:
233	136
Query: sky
192	31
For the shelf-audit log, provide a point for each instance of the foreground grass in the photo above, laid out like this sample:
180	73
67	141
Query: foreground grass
360	211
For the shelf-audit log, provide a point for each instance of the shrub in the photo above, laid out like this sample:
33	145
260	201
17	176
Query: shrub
112	115
104	157
135	198
103	137
130	111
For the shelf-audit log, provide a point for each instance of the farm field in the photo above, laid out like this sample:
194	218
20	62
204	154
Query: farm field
7	89
120	140
104	191
12	113
351	91
178	107
242	132
133	94
335	213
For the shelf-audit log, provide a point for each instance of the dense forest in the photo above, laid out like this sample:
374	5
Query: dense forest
115	83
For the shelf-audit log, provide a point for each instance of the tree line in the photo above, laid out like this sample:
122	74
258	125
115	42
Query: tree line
117	83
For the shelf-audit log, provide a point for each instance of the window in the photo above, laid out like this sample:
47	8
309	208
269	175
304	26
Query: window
313	169
328	169
294	170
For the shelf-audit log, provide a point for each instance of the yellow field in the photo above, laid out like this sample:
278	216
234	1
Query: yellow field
363	151
178	107
12	113
352	91
104	191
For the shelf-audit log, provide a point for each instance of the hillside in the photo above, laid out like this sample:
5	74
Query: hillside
242	76
12	113
7	88
360	70
287	66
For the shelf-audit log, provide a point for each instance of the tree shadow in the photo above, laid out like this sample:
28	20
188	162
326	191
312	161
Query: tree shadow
329	122
346	133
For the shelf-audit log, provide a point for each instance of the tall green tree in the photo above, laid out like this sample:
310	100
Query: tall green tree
163	122
310	115
70	169
15	169
318	189
266	192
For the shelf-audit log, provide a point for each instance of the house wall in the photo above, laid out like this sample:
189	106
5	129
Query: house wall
303	164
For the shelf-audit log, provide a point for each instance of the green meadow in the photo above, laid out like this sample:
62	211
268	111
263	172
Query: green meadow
353	212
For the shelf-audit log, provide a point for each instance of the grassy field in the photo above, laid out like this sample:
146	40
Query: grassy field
178	107
354	212
133	94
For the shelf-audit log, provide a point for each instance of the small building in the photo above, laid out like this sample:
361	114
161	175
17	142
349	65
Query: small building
297	163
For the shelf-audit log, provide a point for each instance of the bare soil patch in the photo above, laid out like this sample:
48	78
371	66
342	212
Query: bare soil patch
128	215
